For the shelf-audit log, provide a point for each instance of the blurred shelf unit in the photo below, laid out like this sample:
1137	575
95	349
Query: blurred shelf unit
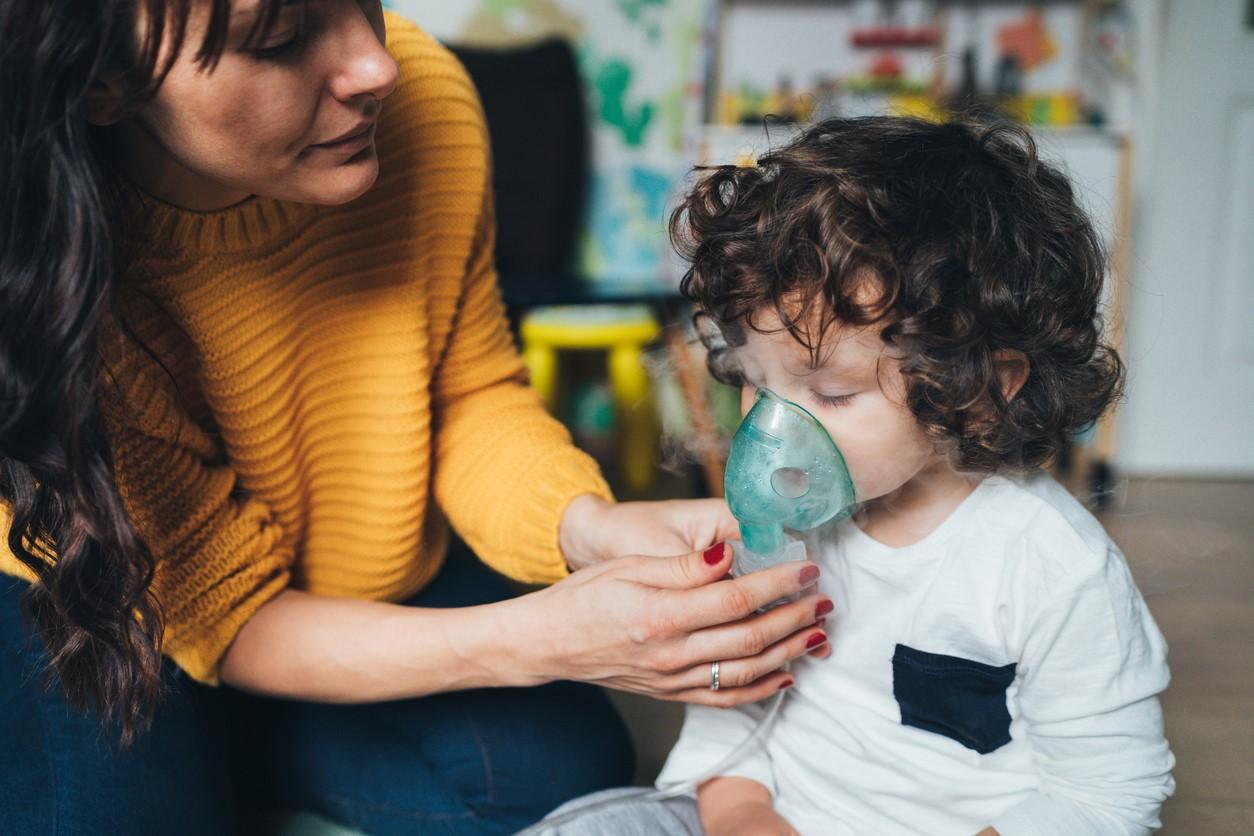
1060	63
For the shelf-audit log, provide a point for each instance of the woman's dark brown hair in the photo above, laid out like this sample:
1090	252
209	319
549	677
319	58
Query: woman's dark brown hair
973	247
60	250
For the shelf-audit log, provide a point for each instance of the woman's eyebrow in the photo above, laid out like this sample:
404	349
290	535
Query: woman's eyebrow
245	11
244	15
248	9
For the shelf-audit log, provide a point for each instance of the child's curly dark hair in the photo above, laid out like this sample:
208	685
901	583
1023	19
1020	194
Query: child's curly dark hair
973	244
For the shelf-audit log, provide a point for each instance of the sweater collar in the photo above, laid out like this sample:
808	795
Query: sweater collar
246	225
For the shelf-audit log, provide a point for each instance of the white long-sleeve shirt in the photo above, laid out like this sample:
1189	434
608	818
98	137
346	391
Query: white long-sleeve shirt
1002	671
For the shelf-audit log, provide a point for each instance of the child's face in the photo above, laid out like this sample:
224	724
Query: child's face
857	393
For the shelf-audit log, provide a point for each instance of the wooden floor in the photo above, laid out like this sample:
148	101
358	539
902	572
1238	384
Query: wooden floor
1191	549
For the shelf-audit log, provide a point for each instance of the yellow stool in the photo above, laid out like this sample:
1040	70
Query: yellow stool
623	331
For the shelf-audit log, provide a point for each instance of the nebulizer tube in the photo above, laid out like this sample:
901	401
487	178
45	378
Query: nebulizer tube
784	473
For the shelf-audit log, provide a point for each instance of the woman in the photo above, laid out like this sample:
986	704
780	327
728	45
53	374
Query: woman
244	385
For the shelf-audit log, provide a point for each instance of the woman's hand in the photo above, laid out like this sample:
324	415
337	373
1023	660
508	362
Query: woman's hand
593	530
654	625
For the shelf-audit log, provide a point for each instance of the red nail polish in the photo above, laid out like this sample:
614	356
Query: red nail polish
809	575
823	608
787	683
714	554
815	640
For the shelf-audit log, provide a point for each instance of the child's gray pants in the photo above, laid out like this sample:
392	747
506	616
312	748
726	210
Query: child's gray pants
673	817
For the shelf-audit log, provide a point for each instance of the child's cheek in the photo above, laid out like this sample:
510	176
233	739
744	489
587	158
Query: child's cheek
880	444
856	445
872	477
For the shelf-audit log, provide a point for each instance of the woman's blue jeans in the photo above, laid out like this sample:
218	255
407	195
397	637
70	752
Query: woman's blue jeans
218	761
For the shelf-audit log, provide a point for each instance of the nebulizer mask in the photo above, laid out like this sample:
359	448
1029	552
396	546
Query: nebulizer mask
784	474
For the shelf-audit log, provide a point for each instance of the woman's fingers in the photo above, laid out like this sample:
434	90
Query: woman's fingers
738	598
726	697
725	525
756	637
688	571
749	680
740	673
736	671
700	522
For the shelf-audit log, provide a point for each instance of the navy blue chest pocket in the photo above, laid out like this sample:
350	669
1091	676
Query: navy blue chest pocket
961	699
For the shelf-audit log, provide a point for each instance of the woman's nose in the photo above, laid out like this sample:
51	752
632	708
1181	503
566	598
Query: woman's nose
363	66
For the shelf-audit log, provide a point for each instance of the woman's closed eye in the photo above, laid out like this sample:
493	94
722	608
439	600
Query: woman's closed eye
832	400
287	40
280	50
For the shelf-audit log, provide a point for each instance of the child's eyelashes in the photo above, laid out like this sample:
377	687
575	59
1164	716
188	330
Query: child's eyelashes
832	400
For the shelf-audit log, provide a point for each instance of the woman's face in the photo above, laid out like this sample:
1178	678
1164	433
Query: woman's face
290	117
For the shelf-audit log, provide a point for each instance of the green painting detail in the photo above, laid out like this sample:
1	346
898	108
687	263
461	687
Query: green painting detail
612	82
635	11
640	61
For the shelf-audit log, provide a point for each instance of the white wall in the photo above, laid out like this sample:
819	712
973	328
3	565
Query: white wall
1190	306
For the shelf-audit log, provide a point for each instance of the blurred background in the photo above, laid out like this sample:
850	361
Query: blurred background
598	110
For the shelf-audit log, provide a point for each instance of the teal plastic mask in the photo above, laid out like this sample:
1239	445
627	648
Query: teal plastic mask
784	471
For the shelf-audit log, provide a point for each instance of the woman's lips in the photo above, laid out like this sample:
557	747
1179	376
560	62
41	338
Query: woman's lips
351	143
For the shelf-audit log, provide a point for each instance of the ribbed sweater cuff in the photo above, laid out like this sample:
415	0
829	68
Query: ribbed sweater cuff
197	646
566	474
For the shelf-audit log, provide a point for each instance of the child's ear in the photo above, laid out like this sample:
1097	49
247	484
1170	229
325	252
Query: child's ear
103	103
1012	369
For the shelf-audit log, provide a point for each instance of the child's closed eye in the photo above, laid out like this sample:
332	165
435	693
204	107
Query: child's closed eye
832	400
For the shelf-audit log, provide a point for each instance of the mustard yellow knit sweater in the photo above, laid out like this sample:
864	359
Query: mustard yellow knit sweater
340	381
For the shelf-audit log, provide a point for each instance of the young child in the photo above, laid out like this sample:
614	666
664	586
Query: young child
930	293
